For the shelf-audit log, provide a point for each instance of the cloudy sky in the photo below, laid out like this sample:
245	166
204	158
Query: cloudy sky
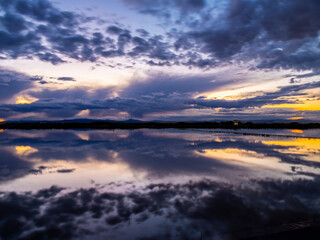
160	59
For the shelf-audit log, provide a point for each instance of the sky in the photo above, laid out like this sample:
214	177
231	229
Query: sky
168	60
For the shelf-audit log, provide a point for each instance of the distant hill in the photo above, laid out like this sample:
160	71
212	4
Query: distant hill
135	124
78	120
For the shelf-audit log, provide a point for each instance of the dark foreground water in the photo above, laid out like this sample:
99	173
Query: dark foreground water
158	184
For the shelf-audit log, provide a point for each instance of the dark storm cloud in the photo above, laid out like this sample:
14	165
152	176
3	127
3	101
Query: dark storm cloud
17	44
47	21
302	60
62	30
13	23
12	83
287	25
276	34
222	212
44	11
14	43
245	30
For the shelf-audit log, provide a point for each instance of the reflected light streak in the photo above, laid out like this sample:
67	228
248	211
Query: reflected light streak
310	148
295	118
311	144
235	155
84	136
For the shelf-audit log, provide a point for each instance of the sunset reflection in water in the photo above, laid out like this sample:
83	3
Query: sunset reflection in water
170	182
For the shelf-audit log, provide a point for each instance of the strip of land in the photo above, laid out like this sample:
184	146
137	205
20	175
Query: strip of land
156	125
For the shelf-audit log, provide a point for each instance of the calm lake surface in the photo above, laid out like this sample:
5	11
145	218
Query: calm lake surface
157	184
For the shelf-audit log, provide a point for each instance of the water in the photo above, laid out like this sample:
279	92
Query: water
157	184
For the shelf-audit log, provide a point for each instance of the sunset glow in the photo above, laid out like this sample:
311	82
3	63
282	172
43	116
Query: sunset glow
239	156
134	63
296	131
307	106
159	119
25	150
25	100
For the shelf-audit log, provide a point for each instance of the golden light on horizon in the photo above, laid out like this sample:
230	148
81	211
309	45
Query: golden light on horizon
306	106
1	120
26	100
296	131
295	118
25	150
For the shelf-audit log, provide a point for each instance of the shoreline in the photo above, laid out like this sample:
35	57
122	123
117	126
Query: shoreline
156	125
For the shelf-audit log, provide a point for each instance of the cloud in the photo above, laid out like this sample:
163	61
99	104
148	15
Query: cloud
155	93
49	57
253	29
12	83
68	79
65	170
65	37
13	23
23	37
268	98
160	7
160	83
246	30
115	30
182	208
44	11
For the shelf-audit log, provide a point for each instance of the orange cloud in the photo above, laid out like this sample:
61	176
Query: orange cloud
25	100
25	150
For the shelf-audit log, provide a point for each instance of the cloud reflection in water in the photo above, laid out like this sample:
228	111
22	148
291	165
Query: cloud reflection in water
153	184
